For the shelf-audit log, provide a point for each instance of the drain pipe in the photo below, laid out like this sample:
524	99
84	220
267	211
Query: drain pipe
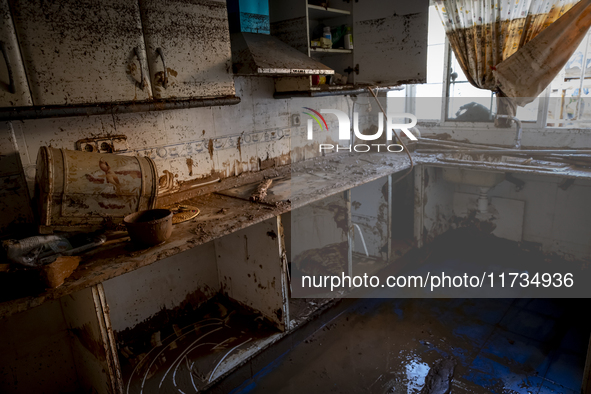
519	129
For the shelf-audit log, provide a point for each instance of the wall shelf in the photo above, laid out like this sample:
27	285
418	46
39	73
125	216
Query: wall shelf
319	12
333	90
330	50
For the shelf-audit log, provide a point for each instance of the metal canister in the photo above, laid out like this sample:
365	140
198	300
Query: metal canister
77	190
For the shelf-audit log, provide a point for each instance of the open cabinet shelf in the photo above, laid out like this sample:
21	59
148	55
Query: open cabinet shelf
184	323
331	50
318	12
389	43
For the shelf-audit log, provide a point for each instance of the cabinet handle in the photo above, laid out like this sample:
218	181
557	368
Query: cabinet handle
11	87
137	52
161	54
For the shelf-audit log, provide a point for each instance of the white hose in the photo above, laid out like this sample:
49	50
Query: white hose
362	239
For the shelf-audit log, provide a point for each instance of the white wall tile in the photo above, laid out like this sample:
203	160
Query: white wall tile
61	132
143	130
185	125
236	119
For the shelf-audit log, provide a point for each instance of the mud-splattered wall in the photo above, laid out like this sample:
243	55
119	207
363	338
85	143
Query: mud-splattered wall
193	144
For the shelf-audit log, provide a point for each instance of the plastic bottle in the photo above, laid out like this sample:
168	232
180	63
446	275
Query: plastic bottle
348	39
327	34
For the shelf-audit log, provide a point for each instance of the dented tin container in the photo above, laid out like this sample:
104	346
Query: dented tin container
77	190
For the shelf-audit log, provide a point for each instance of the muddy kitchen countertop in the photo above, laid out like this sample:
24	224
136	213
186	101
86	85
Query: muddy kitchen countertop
224	211
220	215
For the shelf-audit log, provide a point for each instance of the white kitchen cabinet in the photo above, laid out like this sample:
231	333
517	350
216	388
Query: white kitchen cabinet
389	41
14	90
188	48
80	52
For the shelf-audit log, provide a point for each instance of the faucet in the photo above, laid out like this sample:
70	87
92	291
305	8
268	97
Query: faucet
519	129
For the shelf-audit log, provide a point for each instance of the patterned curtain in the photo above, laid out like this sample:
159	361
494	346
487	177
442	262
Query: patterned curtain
514	47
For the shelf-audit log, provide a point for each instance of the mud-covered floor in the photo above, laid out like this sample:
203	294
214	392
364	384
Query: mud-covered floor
389	346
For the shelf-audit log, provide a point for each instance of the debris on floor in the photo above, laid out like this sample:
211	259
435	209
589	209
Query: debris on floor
439	378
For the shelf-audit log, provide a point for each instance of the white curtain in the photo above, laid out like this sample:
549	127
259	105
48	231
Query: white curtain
514	47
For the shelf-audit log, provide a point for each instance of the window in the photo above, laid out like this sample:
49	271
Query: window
570	97
565	103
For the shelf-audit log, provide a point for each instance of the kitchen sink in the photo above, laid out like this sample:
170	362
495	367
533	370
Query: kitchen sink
485	179
502	162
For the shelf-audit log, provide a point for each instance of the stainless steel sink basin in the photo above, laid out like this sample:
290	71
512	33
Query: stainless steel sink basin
486	179
501	162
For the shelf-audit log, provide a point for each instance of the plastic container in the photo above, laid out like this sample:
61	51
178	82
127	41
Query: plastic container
348	39
328	35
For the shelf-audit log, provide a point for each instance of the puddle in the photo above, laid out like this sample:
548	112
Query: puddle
416	372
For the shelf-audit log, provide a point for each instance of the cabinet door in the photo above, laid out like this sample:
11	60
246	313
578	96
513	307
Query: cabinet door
390	41
82	51
188	47
14	90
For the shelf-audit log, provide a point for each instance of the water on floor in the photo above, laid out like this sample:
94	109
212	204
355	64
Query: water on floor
501	346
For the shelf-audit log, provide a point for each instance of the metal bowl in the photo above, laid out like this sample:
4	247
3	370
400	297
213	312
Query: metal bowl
150	227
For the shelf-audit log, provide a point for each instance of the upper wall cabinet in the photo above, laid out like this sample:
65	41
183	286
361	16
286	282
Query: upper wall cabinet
14	90
188	48
389	41
82	51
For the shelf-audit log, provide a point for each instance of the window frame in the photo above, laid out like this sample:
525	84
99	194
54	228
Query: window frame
443	120
540	125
